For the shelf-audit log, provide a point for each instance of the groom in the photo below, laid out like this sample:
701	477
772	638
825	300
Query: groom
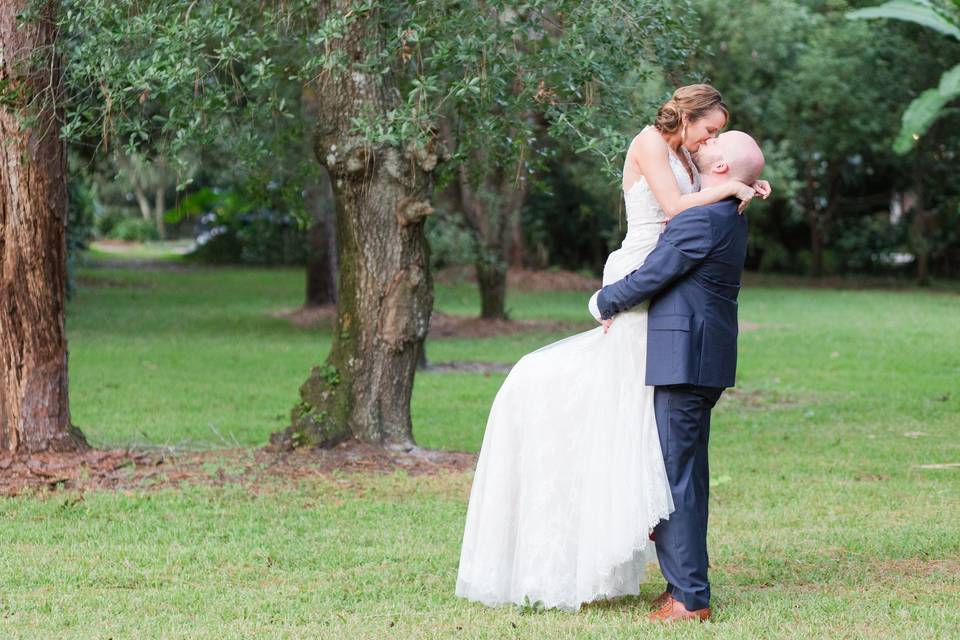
692	279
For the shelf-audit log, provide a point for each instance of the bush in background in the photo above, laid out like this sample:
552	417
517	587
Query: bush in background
134	230
229	230
260	237
451	243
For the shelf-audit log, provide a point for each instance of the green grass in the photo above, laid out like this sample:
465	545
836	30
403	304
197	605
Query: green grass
822	522
158	251
194	355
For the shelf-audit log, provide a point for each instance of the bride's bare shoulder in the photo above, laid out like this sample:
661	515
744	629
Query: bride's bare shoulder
650	138
648	142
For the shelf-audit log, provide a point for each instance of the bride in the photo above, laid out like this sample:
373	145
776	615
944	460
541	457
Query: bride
570	481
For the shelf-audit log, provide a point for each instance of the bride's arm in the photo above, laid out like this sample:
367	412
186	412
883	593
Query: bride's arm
649	153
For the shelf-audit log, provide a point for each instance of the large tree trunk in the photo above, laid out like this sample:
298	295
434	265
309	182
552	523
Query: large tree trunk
34	402
385	292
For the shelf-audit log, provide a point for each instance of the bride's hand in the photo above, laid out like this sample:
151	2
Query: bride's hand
762	188
606	324
745	193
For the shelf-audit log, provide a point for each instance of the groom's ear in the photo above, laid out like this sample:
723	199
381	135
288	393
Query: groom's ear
721	167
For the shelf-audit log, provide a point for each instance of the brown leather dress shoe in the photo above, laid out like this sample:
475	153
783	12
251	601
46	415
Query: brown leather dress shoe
673	610
661	600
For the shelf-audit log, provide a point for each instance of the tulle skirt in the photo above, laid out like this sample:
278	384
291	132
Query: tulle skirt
570	478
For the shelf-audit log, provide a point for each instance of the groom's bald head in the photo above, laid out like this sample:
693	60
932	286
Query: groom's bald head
732	155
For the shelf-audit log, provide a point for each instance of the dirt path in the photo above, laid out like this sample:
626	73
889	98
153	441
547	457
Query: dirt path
128	469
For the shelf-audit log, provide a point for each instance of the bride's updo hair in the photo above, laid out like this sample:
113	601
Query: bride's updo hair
694	100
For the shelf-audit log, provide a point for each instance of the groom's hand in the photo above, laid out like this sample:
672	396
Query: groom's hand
595	312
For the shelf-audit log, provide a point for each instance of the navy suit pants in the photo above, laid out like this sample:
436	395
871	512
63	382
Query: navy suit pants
683	422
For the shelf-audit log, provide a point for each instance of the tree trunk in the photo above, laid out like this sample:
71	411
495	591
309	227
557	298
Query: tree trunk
919	232
518	246
385	291
492	280
491	209
318	199
34	400
145	211
322	256
422	362
816	232
490	196
923	267
821	220
816	246
159	209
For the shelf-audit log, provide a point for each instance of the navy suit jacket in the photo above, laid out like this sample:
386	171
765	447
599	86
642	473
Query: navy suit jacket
692	279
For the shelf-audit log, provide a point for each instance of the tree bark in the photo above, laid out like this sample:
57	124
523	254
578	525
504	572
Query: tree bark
34	399
385	291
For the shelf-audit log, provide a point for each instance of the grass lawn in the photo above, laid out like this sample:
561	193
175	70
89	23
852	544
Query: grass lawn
824	521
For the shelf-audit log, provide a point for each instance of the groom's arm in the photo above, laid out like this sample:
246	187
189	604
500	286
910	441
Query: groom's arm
686	242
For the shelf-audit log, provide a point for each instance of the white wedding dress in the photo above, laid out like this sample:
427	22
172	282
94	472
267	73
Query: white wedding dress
570	478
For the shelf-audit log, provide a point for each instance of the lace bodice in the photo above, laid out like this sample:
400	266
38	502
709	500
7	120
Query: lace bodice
645	219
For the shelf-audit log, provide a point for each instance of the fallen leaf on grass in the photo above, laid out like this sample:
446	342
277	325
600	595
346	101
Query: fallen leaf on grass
945	465
915	434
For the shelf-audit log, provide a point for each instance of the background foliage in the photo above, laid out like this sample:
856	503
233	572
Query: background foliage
214	89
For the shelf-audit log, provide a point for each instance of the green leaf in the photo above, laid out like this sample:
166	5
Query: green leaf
925	109
950	81
916	11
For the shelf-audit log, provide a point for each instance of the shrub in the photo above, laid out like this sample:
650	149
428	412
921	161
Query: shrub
106	218
134	230
451	244
870	244
261	237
